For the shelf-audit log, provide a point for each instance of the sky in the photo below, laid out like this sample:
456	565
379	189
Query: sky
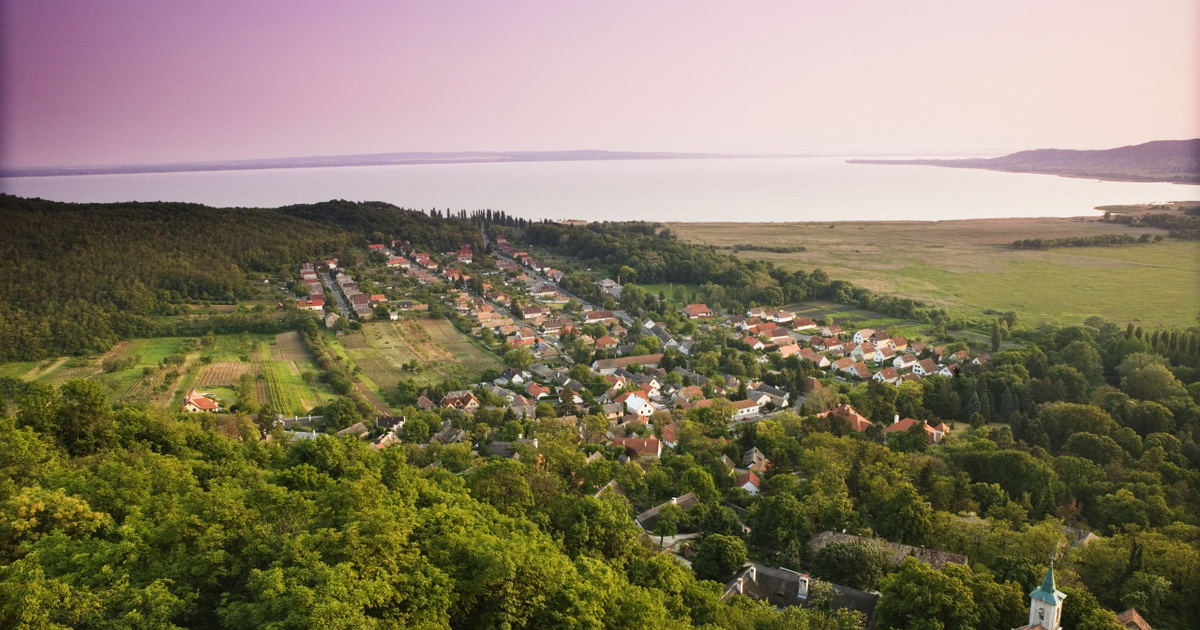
101	82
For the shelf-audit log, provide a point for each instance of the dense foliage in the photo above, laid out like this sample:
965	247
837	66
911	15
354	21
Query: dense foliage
75	278
134	518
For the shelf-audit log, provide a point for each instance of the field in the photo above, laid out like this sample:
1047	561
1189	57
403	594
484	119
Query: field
223	373
230	356
669	289
439	351
967	266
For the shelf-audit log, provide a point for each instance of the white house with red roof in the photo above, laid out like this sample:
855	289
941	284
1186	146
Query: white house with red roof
696	311
749	482
196	401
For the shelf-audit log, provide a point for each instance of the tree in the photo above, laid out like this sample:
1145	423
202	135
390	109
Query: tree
996	336
718	556
699	482
339	414
501	483
858	565
905	516
919	597
518	357
85	419
778	520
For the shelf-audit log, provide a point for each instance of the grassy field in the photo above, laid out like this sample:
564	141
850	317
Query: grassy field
669	289
439	351
967	266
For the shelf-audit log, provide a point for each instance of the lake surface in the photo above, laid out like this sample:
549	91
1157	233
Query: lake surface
742	189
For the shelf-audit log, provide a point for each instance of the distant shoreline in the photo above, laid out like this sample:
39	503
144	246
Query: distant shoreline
372	159
1097	177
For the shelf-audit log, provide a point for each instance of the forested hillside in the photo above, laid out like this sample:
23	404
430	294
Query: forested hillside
75	278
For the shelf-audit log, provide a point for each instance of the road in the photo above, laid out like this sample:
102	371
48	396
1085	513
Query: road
343	308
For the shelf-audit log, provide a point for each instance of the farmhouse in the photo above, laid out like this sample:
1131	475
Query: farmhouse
196	401
696	311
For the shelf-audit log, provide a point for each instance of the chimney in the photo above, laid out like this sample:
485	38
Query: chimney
674	500
803	592
753	573
896	419
740	587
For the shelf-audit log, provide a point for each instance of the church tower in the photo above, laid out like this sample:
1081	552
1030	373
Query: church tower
1045	603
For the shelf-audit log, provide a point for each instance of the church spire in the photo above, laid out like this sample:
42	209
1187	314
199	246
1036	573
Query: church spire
1045	603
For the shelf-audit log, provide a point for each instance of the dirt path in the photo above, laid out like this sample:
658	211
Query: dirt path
375	401
35	372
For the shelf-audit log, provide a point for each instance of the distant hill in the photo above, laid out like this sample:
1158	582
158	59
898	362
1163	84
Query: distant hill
1159	161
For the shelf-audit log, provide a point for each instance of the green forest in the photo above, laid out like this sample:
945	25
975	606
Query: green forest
76	278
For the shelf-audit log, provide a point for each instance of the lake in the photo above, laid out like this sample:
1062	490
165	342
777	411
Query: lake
724	189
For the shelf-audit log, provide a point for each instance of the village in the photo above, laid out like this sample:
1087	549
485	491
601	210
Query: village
624	384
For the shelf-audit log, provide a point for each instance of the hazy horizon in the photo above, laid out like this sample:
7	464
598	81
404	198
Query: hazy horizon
124	82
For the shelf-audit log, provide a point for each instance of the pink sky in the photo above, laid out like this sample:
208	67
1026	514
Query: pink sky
134	81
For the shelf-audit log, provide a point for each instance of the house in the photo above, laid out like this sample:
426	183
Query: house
788	350
358	430
512	376
648	447
567	394
866	334
754	342
950	371
857	421
781	588
933	435
691	392
612	487
832	330
606	343
960	357
778	336
536	390
462	400
863	351
887	375
196	402
507	450
804	323
782	317
884	355
448	434
670	433
743	408
777	397
1131	620
749	482
608	366
755	460
843	364
925	367
424	403
636	404
860	370
385	440
330	319
819	360
697	311
597	317
648	519
904	362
